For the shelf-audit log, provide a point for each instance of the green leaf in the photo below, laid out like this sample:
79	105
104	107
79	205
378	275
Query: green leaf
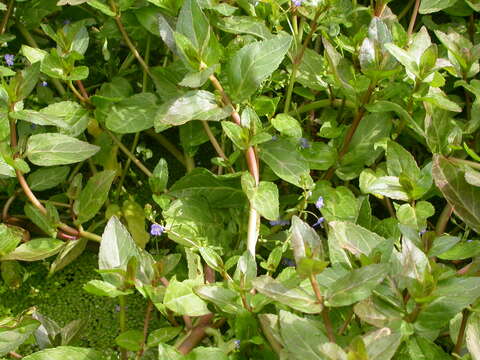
134	214
41	219
223	191
57	149
461	195
65	352
296	298
103	288
237	134
69	253
442	244
131	340
116	248
93	195
254	63
63	67
311	69
265	200
431	6
227	300
286	162
12	337
244	25
339	203
133	114
181	299
47	178
207	353
197	79
211	258
388	186
362	150
440	311
36	249
194	105
163	335
28	78
472	336
442	131
301	336
460	251
386	106
320	156
400	161
10	237
357	285
305	240
158	182
287	125
104	8
168	352
246	270
381	344
354	238
193	23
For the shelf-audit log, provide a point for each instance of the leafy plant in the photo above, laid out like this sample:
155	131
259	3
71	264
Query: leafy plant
274	179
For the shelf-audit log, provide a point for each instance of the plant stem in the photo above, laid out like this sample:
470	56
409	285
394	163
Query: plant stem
351	131
146	321
195	335
127	165
214	141
15	355
126	38
325	316
412	317
298	58
405	10
7	205
322	104
253	168
31	41
129	154
443	220
76	93
413	18
461	332
3	25
276	346
122	317
162	140
473	164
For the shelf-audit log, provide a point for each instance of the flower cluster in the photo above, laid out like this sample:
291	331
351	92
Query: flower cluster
157	230
9	59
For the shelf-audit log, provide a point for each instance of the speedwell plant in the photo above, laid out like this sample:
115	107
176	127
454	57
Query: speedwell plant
268	179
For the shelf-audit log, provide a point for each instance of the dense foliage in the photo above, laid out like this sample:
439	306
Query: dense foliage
239	179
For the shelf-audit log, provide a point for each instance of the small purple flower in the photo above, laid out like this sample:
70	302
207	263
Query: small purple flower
297	2
9	59
288	262
304	143
422	232
319	203
319	222
66	22
279	222
44	83
469	241
237	343
157	230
